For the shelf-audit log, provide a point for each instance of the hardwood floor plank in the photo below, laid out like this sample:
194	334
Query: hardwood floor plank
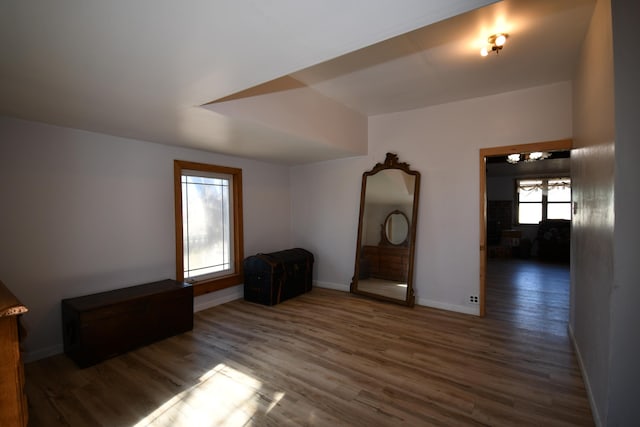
328	358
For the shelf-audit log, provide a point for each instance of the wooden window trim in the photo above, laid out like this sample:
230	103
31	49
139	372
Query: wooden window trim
222	282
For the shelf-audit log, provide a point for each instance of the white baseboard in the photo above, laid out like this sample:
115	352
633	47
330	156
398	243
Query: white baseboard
334	286
217	298
585	378
32	356
473	310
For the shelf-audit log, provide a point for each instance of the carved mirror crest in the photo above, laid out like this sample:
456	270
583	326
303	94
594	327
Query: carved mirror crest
386	232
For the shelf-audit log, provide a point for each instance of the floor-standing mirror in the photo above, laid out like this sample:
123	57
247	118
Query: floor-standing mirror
386	232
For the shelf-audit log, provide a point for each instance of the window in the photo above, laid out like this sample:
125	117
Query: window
208	211
543	198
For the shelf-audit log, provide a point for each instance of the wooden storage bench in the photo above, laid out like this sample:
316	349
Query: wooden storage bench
99	326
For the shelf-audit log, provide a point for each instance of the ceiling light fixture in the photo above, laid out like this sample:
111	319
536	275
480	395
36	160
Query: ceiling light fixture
513	158
527	157
496	43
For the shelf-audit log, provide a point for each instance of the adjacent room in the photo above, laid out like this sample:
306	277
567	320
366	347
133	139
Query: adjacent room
528	238
454	183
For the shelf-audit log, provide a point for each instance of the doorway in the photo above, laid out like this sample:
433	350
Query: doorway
488	153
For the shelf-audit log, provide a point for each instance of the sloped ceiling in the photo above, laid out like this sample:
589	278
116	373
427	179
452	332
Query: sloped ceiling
440	63
172	72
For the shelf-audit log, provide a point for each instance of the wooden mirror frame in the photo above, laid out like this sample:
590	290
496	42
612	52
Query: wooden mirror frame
391	162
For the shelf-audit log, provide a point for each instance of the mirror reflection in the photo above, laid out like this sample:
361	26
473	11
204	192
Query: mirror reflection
396	228
386	233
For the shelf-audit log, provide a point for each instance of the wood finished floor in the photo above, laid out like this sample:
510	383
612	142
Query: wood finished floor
328	358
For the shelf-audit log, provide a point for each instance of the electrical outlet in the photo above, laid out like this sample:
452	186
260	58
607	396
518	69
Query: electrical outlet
473	299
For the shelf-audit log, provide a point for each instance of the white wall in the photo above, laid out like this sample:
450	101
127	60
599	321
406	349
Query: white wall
84	212
606	232
443	143
325	200
625	316
289	111
592	167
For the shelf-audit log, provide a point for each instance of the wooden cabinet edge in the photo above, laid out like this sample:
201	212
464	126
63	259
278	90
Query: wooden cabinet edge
13	405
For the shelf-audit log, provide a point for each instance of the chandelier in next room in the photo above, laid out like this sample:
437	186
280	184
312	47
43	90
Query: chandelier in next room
527	157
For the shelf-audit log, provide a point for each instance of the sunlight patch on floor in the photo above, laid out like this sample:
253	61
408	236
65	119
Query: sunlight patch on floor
208	402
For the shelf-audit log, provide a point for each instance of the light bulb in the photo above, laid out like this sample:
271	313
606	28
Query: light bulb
513	158
500	40
536	155
484	52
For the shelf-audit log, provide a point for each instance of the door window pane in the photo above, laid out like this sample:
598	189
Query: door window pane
544	198
206	225
559	211
559	190
530	191
530	213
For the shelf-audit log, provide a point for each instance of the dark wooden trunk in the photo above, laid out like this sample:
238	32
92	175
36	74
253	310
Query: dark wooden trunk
275	277
99	326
